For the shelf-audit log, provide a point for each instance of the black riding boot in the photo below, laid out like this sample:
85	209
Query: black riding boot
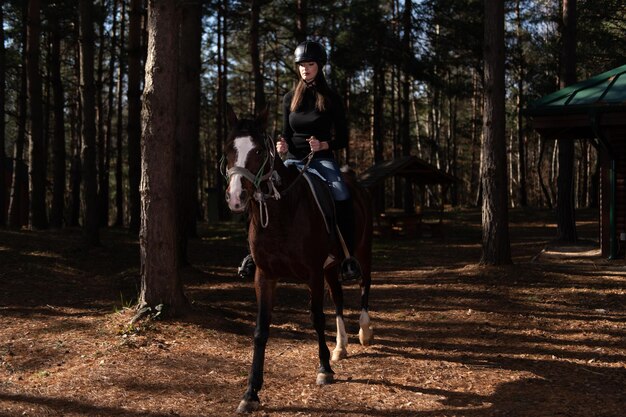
247	268
350	268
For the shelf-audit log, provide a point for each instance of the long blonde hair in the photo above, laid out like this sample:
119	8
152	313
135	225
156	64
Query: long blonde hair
322	93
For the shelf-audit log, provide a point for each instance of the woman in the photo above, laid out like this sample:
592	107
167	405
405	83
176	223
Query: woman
311	114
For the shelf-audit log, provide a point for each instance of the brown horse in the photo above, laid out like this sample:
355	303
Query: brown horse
288	238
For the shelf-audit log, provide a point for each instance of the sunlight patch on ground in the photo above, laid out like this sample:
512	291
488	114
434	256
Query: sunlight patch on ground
572	252
43	254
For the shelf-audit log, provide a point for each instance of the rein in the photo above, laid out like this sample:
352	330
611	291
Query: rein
272	178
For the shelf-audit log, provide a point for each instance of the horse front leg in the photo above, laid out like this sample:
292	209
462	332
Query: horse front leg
265	299
325	373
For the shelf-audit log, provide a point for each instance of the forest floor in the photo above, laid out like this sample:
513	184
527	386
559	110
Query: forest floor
542	337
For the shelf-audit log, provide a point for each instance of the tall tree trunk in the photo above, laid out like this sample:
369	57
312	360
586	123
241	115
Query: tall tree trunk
3	158
259	93
134	113
222	80
301	21
160	280
585	169
104	179
521	146
119	138
454	163
405	128
76	127
475	183
88	99
37	148
188	124
58	143
565	206
594	194
378	131
495	219
102	174
19	182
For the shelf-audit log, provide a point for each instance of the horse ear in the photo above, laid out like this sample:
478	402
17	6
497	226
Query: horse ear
232	116
261	119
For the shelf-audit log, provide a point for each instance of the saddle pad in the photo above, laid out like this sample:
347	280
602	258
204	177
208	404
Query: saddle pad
323	198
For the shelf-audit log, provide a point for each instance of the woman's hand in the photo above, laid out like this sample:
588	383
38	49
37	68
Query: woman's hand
281	146
316	145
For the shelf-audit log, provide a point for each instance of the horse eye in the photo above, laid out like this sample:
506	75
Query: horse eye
258	151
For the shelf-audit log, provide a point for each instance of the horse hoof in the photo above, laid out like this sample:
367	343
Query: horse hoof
339	354
366	335
247	406
324	378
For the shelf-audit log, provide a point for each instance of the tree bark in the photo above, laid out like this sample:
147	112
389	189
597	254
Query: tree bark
19	182
521	145
37	173
3	158
104	189
565	205
119	138
222	89
88	133
495	228
405	129
378	121
134	113
76	127
101	136
301	31
259	93
58	142
188	124
160	281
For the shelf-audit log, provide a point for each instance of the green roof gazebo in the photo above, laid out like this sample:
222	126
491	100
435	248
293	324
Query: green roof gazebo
594	109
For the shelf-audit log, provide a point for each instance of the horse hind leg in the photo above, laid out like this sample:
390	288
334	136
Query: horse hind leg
366	331
336	293
364	254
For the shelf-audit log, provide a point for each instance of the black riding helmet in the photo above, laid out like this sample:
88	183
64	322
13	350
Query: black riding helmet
310	51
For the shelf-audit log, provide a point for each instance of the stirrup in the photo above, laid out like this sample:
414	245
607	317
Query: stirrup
350	270
247	268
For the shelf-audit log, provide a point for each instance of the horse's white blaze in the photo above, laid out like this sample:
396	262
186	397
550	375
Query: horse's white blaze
340	351
243	145
366	332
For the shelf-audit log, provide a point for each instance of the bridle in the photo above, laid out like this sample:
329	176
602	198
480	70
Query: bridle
272	178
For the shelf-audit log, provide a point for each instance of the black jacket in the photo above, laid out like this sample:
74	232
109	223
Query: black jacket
306	121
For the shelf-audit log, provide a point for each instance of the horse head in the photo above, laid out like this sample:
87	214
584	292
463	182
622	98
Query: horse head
249	160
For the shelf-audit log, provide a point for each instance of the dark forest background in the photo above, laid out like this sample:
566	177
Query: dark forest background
73	82
410	73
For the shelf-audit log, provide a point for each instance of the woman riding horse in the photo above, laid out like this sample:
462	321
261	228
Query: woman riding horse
311	112
289	239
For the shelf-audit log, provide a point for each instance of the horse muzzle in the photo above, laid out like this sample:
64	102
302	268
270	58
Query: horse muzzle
237	200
